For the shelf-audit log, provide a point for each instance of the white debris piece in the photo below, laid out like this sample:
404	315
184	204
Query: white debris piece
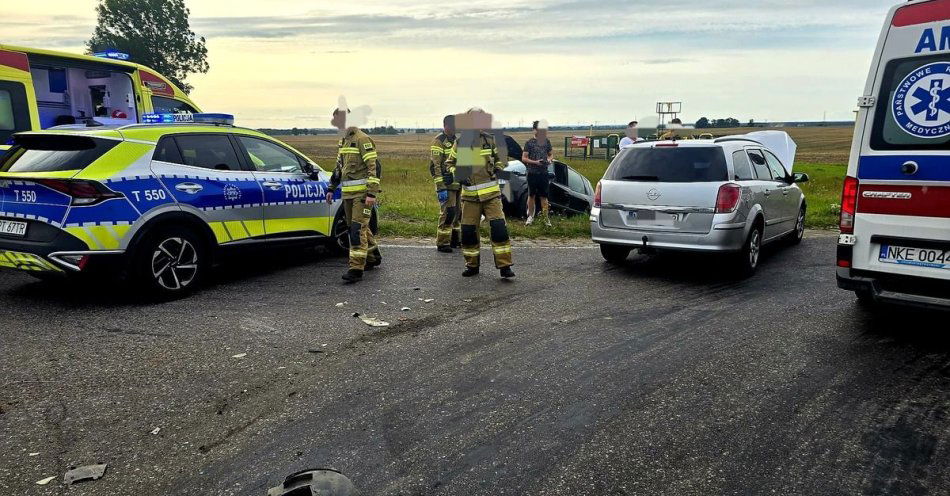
45	481
373	322
156	430
405	309
34	453
239	355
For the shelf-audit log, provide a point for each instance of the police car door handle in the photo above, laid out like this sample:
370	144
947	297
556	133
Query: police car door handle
272	185
190	188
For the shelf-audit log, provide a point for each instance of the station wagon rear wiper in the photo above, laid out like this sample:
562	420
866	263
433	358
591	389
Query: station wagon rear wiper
641	178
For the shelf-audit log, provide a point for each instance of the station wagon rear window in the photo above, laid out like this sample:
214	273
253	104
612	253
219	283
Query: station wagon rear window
684	164
913	107
47	153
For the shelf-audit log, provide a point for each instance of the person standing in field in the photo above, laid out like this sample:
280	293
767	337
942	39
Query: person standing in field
449	194
537	156
632	135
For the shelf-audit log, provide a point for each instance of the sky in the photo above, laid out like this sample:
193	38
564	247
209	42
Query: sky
283	63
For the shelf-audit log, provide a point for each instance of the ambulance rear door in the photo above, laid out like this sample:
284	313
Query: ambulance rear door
902	221
17	99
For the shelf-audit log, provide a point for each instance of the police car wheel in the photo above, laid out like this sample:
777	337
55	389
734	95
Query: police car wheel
339	242
170	262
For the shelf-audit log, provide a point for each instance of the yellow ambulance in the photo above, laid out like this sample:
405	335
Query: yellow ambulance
40	89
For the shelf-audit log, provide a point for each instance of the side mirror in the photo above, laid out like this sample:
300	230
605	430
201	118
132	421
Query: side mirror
800	177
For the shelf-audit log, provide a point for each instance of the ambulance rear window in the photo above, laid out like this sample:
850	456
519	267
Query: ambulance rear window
913	108
47	153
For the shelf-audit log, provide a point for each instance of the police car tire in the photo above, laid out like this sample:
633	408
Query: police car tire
339	242
147	258
614	254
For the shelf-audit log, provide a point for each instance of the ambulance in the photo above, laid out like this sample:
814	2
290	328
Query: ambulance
40	89
894	241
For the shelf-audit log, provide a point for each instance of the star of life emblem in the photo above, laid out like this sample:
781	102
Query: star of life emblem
921	104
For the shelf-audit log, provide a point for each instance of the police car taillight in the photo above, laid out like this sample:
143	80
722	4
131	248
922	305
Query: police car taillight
82	192
597	195
849	203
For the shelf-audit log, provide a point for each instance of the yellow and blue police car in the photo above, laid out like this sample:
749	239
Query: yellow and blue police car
158	200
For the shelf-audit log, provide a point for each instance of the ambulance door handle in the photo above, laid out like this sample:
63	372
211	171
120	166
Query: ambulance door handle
273	186
190	188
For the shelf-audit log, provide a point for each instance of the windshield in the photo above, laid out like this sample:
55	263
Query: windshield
46	153
669	165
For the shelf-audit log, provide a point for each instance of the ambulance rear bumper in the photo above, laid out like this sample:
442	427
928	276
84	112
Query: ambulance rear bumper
896	289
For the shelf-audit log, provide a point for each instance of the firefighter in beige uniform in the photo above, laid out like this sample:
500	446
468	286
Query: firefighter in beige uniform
357	175
481	195
450	216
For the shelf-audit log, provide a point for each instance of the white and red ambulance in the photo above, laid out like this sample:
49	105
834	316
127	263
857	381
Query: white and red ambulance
894	244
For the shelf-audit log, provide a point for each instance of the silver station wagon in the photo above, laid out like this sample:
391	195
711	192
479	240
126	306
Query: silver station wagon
729	195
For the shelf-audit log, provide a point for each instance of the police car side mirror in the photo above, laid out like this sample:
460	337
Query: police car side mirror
800	177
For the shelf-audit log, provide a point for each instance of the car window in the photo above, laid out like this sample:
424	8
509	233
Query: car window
163	105
167	151
210	151
14	113
775	166
742	166
270	157
683	164
913	105
49	153
575	182
760	166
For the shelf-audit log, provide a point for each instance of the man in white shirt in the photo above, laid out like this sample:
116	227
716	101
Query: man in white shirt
631	135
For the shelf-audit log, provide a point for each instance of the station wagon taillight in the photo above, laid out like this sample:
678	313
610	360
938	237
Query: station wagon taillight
728	198
597	201
82	192
849	203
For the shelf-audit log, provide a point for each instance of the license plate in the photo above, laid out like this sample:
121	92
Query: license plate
919	257
651	218
12	228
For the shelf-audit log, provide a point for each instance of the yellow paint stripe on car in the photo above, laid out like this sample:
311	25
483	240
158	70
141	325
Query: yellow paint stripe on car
220	233
83	236
254	227
236	229
105	238
318	224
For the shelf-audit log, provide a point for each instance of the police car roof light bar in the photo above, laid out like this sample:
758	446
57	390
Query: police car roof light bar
204	118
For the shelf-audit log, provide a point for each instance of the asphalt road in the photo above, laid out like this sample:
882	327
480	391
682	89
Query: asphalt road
665	376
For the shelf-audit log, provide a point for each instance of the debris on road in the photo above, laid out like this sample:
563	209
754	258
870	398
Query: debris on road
371	321
84	473
341	304
314	350
156	431
239	355
43	482
467	300
34	453
426	300
405	309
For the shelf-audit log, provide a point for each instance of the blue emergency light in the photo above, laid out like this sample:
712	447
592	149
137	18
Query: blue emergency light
206	118
112	54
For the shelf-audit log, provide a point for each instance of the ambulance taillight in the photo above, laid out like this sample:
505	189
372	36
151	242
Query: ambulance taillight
849	203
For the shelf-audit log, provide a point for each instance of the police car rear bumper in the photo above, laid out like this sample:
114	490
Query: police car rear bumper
902	290
59	248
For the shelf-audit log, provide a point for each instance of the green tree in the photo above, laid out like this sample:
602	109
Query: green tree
155	33
702	123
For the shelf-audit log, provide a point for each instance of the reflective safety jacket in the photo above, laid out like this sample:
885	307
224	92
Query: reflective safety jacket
484	161
355	171
441	149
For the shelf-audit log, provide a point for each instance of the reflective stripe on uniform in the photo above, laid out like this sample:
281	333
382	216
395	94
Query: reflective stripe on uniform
438	179
355	185
370	156
481	189
346	150
372	180
470	253
353	182
357	253
485	151
501	249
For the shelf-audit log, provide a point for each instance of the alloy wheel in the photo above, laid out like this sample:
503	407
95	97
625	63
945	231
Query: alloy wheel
800	225
174	263
755	242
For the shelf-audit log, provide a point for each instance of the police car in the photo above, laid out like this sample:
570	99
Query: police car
894	244
158	200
